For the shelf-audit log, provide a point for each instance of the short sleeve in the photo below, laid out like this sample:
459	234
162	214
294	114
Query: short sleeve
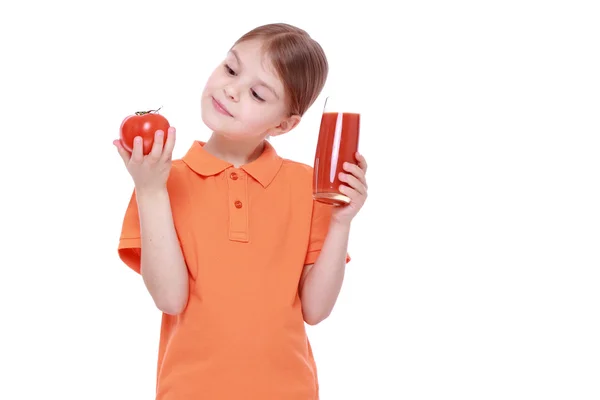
321	217
130	242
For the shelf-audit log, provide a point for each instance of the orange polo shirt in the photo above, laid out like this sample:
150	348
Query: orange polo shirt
246	234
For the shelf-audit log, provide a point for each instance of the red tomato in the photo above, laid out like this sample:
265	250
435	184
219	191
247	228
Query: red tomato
144	124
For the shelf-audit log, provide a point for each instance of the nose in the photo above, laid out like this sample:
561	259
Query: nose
232	93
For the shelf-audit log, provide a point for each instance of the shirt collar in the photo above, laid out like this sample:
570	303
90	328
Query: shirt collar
263	169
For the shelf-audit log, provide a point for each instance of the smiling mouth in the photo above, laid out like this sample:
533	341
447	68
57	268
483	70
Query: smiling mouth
220	107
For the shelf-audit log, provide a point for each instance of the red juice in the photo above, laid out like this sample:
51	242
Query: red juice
338	143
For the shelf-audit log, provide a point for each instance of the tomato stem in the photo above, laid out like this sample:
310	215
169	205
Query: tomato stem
147	112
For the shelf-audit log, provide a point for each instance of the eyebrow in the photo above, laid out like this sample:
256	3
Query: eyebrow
263	83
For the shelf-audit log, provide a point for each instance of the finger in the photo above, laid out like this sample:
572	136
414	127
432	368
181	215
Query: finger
157	146
169	145
362	162
125	156
137	155
357	172
353	182
354	196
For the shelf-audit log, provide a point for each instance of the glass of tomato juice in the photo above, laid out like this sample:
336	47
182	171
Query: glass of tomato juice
337	143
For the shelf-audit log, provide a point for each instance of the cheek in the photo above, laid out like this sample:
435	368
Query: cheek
256	116
213	81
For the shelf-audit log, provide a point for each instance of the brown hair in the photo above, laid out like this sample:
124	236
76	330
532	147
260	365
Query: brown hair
298	59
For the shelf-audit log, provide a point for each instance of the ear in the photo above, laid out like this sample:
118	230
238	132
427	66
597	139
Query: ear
286	125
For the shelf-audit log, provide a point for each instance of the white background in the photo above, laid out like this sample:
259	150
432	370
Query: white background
475	271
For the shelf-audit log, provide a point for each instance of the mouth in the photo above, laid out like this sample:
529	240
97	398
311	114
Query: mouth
220	107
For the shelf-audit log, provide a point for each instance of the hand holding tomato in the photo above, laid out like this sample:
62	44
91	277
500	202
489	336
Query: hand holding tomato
149	172
144	124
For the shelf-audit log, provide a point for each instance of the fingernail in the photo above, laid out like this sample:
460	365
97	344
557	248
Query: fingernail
159	133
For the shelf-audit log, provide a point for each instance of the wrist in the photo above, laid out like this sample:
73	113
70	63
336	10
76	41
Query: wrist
341	225
150	193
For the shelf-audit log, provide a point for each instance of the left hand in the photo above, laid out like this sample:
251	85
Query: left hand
354	186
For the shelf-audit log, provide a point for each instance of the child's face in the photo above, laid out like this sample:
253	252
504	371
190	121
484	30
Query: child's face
244	98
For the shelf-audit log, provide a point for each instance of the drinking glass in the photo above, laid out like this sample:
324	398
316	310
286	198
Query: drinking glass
337	143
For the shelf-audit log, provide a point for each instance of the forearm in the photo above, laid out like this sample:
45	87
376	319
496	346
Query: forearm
323	282
162	264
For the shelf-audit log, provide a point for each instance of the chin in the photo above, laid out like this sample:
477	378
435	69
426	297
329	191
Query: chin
208	120
209	117
214	124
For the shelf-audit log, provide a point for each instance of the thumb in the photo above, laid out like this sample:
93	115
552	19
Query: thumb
125	156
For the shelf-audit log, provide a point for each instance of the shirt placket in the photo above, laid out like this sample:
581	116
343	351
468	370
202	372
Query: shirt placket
237	181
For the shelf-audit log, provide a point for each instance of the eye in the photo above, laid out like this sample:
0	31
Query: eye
229	70
256	96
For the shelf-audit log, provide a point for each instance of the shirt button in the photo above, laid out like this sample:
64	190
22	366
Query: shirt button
238	204
233	176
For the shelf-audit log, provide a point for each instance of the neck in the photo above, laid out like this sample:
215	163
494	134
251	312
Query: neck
234	151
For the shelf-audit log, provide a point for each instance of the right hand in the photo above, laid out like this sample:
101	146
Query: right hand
150	172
